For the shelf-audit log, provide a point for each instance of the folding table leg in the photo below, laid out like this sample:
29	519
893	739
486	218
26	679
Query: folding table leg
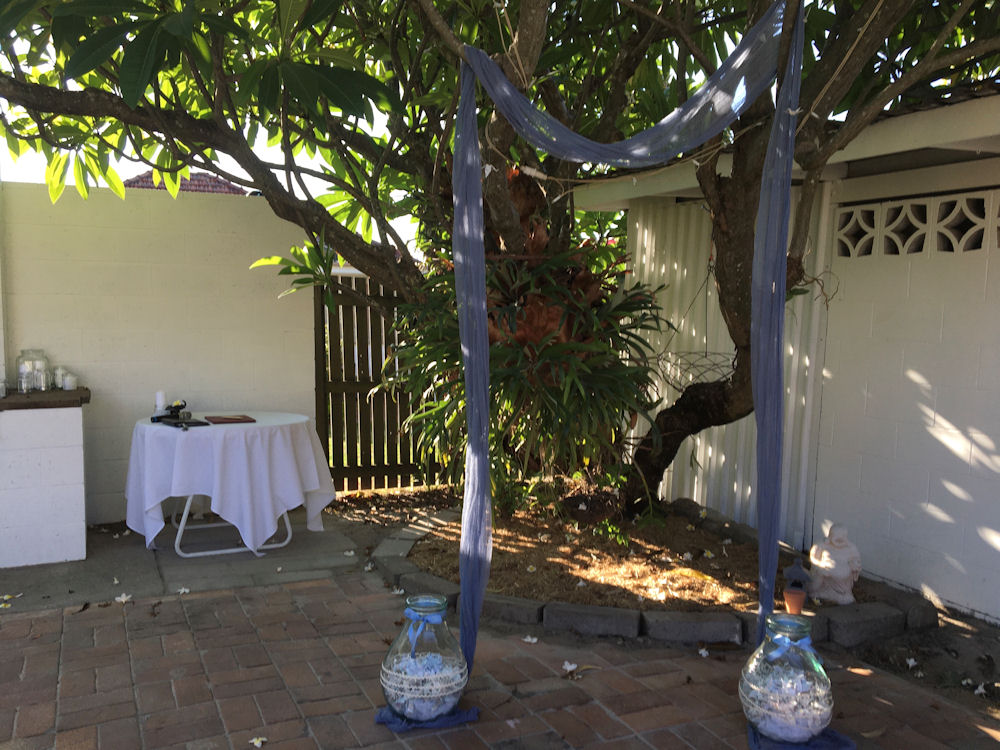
183	524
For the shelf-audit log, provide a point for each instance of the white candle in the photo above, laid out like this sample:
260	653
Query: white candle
69	382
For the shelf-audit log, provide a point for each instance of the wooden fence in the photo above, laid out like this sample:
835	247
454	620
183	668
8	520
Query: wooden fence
359	427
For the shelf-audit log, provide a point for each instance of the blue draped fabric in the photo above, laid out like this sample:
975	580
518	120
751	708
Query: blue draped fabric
767	323
748	72
476	546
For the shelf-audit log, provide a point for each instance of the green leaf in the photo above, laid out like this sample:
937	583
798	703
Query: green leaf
14	12
80	176
321	10
114	182
97	48
96	8
180	24
289	13
55	175
139	64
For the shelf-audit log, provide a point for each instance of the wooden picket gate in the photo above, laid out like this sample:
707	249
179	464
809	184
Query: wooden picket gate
359	428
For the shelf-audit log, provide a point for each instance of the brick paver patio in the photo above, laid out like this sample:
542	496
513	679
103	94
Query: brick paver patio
298	664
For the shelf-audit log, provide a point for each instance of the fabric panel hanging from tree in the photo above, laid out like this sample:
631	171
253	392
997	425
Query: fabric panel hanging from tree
746	73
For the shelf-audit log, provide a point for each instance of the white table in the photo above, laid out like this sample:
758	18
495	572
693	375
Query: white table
254	474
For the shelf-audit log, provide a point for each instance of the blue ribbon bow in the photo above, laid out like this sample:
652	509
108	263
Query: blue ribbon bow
784	643
416	629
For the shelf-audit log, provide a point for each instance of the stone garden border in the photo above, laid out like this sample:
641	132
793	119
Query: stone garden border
846	625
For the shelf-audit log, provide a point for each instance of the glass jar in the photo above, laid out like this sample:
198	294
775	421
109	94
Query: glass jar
32	370
424	672
784	690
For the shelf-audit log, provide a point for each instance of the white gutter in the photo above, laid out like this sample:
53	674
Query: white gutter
971	125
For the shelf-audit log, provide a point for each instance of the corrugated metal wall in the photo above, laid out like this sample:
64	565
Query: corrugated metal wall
671	244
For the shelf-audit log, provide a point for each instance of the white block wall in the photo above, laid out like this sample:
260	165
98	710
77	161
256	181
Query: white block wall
41	487
909	442
148	294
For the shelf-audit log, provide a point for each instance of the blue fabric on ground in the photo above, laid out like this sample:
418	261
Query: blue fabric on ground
399	723
828	739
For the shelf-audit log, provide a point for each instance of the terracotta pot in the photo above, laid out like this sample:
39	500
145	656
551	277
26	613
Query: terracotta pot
794	599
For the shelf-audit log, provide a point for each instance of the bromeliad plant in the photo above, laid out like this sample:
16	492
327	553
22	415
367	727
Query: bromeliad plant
570	368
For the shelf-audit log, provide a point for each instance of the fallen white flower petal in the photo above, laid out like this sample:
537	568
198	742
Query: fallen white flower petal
183	590
569	666
582	506
981	690
687	556
690	527
369	566
910	662
727	540
918	674
398	591
278	569
709	554
5	605
258	741
703	652
581	584
530	639
703	513
967	682
126	532
349	553
123	597
114	536
532	568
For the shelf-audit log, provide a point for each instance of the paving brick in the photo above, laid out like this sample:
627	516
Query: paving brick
167	728
192	690
94	716
569	727
120	733
692	627
82	738
35	719
276	706
590	620
239	713
332	732
155	696
853	624
598	719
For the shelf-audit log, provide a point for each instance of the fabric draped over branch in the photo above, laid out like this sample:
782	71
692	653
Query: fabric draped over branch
748	72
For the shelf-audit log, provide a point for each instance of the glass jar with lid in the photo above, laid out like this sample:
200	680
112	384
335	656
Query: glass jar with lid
32	370
784	690
424	672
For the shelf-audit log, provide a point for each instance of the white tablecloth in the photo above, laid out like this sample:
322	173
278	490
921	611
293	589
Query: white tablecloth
253	472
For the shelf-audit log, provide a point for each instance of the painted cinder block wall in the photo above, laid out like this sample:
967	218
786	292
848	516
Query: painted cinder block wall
909	440
153	293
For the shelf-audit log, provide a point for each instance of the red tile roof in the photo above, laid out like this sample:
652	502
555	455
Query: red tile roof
200	182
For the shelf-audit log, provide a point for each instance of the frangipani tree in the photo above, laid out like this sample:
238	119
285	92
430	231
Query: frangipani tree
357	101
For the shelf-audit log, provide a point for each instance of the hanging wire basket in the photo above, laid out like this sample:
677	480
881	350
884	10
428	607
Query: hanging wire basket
681	369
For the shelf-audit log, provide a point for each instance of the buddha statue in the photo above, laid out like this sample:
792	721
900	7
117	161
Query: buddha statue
836	565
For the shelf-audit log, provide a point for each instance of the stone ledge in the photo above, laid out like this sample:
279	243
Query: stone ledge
853	624
847	625
587	619
692	627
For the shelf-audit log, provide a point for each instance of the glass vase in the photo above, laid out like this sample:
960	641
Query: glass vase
424	672
784	689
